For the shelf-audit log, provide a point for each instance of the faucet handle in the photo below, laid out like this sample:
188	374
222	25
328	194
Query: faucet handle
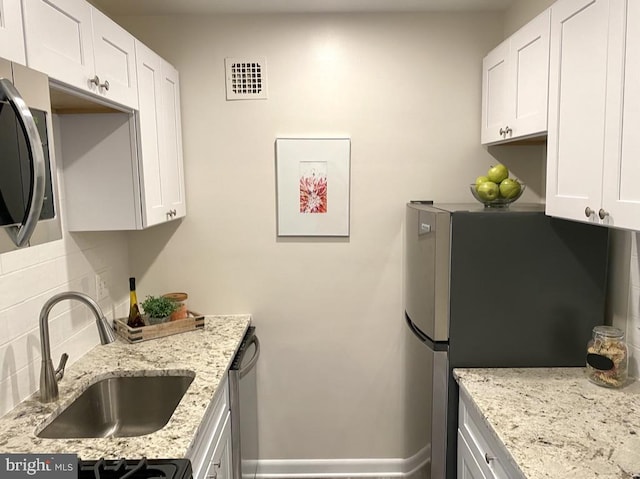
61	366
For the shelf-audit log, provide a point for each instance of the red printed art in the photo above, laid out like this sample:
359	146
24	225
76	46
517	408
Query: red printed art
313	187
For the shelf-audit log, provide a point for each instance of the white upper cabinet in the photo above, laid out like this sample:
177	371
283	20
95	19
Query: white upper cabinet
160	138
115	61
11	33
592	168
124	171
515	84
76	45
621	173
171	155
577	90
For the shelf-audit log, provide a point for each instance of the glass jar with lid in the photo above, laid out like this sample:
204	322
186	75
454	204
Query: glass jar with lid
607	357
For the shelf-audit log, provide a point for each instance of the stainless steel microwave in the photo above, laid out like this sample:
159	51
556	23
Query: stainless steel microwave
28	205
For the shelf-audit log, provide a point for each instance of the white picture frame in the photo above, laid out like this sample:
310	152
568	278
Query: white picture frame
313	177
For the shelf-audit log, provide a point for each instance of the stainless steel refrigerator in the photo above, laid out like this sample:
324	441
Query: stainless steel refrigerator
495	288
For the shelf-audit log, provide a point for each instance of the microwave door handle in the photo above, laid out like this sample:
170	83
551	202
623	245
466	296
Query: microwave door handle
22	234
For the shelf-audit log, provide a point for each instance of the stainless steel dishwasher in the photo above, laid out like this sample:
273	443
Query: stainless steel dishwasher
244	407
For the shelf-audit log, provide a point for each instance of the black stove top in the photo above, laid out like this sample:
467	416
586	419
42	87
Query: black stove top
135	469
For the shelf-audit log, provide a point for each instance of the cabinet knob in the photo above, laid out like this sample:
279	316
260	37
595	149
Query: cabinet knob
603	214
488	458
105	85
95	80
506	131
216	466
588	212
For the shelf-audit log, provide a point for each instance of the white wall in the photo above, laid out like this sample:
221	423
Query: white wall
30	276
406	89
521	11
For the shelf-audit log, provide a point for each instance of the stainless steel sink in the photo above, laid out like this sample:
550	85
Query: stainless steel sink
121	406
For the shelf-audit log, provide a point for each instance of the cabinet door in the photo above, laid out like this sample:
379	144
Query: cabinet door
171	153
220	465
468	468
577	91
149	69
529	77
621	172
495	114
11	32
59	40
115	62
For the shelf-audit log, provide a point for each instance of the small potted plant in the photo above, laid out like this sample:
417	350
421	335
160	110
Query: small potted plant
157	309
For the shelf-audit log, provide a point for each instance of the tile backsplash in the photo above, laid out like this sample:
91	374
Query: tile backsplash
30	276
633	313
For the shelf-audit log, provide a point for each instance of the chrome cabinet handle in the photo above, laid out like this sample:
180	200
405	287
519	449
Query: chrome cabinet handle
603	214
488	458
506	131
171	213
588	212
21	235
96	81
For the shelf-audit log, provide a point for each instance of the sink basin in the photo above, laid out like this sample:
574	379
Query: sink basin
121	406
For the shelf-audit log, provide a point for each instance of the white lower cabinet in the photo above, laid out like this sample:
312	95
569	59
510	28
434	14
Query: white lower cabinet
210	451
220	464
468	467
480	454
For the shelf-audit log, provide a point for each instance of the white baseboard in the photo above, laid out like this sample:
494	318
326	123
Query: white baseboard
343	468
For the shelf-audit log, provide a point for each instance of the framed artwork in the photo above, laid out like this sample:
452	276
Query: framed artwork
313	186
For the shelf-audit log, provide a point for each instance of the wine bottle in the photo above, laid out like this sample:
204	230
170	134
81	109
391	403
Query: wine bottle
135	318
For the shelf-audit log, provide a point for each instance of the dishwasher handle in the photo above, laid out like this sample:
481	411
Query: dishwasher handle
254	359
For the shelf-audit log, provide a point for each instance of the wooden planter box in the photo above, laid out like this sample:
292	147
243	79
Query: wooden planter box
135	335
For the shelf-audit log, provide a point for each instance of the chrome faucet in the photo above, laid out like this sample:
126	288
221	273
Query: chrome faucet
48	376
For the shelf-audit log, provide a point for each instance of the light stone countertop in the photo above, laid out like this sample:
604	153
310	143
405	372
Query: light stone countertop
556	424
207	353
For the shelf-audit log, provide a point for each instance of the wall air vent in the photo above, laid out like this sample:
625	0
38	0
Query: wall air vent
246	79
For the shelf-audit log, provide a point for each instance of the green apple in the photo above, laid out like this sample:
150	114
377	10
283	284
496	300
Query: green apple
498	173
509	188
488	191
481	179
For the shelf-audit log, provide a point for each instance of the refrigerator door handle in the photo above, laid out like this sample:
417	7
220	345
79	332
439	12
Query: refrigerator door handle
414	329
